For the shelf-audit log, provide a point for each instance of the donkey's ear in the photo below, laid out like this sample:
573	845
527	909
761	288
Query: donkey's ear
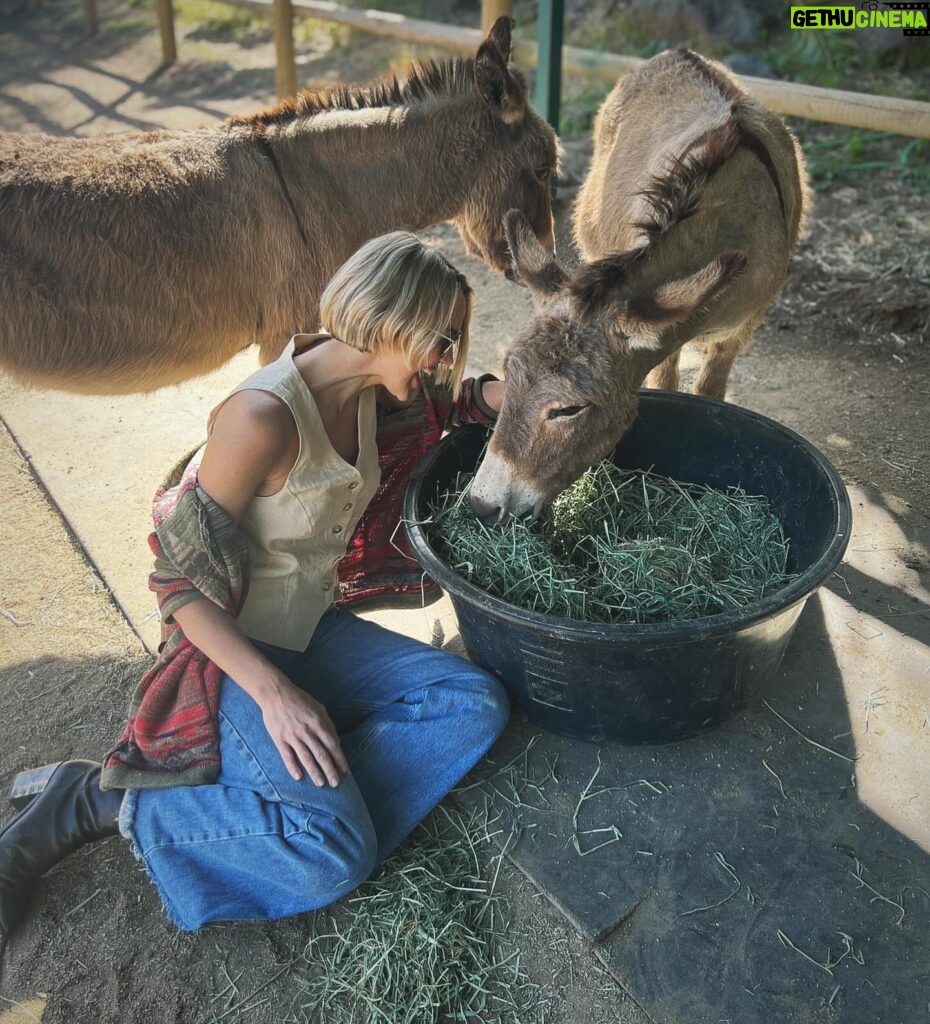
500	89
596	286
536	267
678	299
647	316
500	36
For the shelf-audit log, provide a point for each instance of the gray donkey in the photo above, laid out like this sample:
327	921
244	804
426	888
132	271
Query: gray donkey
136	260
693	205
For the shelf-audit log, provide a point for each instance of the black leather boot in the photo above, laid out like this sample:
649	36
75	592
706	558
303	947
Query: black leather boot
70	810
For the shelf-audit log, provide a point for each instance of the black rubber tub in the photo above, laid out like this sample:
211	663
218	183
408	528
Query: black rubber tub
663	682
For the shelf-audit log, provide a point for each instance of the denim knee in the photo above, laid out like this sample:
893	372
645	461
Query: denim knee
489	707
344	854
499	705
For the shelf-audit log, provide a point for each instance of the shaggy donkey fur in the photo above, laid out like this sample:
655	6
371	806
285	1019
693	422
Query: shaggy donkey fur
136	260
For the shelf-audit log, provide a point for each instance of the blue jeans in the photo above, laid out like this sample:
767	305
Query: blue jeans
260	844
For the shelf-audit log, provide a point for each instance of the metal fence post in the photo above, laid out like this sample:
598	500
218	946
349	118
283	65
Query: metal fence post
549	70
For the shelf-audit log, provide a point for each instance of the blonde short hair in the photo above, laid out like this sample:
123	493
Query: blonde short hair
398	294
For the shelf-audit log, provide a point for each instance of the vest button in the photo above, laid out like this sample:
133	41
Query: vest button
347	507
353	485
337	529
326	587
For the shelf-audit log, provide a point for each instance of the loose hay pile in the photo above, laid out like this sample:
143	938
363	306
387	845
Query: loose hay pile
621	547
426	940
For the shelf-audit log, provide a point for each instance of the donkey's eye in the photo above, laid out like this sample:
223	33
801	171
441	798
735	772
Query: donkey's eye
566	410
542	174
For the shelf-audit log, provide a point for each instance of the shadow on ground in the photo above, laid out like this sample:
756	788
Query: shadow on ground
746	881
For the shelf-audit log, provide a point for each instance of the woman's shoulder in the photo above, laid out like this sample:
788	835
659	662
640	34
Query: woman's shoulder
252	442
256	418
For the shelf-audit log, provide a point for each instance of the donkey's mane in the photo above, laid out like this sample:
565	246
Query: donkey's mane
676	194
673	197
423	81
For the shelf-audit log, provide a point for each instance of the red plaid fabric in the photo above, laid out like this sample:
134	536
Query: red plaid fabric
172	736
379	561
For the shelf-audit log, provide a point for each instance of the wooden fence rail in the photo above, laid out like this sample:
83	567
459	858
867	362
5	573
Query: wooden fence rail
837	106
857	110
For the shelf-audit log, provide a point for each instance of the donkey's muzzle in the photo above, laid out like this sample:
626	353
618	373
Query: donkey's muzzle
488	513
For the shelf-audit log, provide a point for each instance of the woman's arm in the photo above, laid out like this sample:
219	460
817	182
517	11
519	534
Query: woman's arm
249	445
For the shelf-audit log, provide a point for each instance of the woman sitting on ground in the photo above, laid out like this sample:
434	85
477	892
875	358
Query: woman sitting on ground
280	747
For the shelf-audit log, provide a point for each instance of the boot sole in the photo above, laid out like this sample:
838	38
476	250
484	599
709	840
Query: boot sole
28	785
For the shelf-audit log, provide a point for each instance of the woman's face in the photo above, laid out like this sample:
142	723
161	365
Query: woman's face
402	381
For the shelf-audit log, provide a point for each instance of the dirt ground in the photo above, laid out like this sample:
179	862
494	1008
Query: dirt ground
844	358
96	948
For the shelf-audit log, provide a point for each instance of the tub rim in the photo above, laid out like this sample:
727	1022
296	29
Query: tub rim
707	627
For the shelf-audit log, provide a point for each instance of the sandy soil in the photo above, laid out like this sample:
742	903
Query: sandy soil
843	358
96	948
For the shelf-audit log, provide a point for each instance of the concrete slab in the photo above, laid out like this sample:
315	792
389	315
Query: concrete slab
722	878
101	459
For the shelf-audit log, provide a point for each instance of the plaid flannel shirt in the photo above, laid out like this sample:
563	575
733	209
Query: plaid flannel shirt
379	561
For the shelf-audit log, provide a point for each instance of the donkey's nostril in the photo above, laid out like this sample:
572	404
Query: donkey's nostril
488	514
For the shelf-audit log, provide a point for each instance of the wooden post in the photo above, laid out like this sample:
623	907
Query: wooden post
549	69
285	72
169	49
491	10
90	16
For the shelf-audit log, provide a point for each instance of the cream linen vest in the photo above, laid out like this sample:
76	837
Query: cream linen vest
298	536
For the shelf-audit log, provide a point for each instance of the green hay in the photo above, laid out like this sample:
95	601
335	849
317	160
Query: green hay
621	547
421	944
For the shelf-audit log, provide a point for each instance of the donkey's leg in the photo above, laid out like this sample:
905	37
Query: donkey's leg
665	375
719	356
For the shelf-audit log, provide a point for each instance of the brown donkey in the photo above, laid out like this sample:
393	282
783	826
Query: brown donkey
132	261
692	183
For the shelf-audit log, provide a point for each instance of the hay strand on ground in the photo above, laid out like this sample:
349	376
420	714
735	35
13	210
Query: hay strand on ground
419	946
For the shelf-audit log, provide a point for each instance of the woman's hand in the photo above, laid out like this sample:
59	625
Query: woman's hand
304	734
251	446
299	725
492	391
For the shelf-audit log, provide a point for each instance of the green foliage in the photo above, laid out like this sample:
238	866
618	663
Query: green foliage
219	19
841	60
580	102
851	155
914	162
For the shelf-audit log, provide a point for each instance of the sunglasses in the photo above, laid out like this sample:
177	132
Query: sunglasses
445	344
